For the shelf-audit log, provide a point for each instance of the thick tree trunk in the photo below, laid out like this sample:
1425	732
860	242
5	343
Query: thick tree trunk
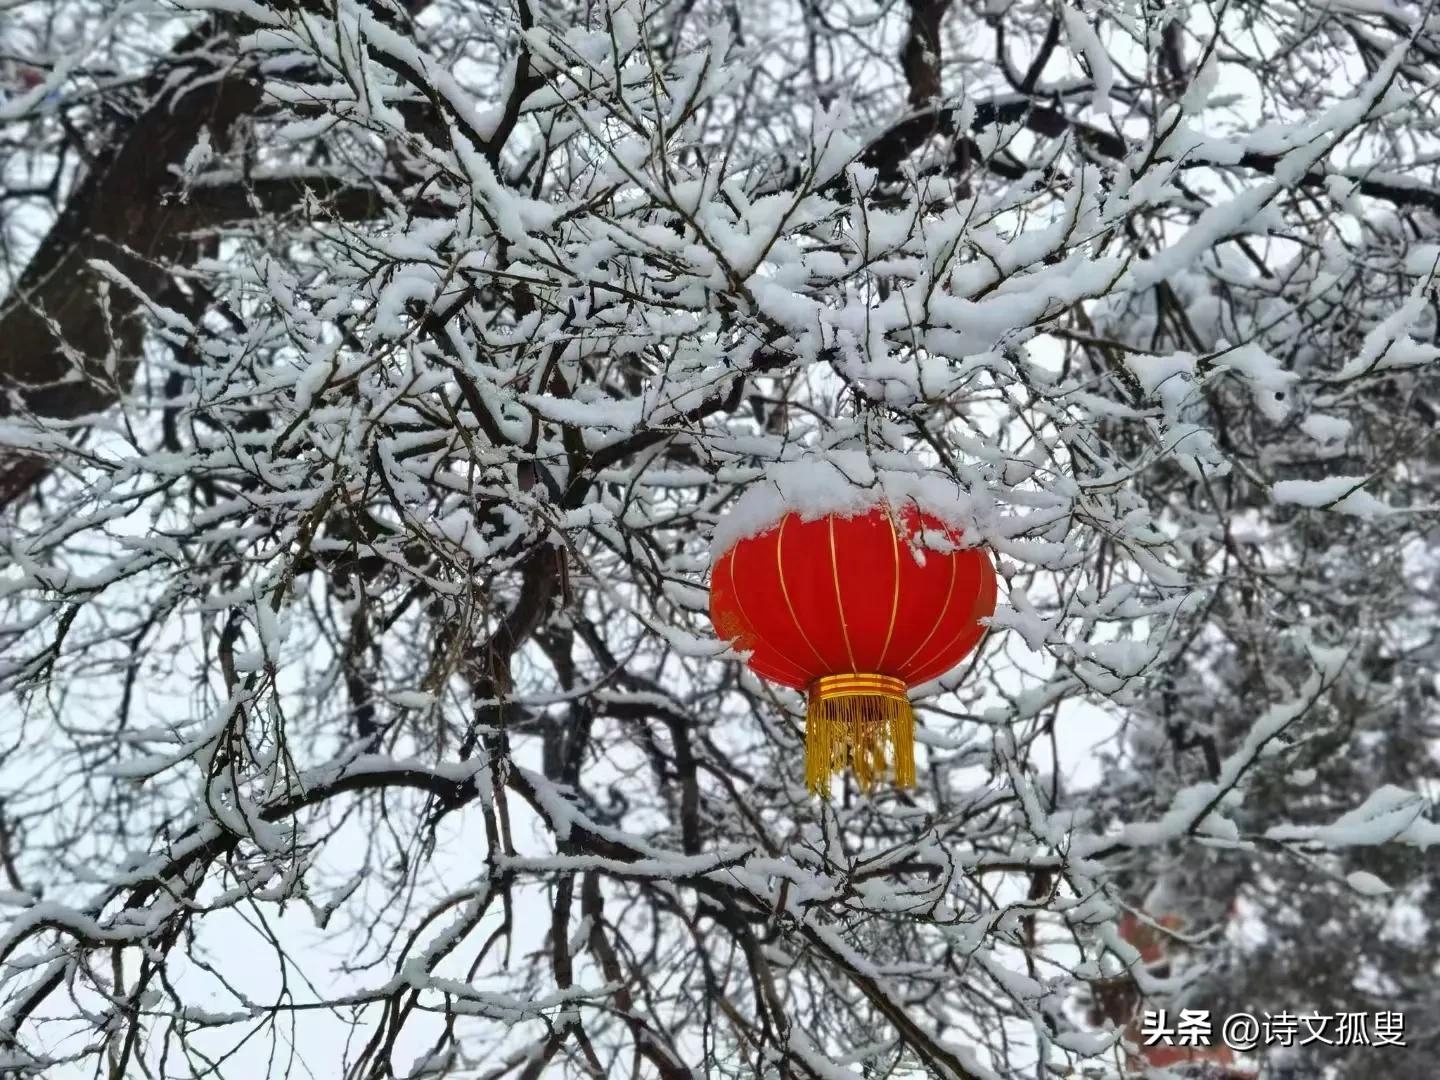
69	341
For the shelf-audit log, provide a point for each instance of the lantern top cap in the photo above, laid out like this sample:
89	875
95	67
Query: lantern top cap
840	483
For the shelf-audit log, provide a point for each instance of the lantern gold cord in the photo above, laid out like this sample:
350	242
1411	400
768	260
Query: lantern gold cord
850	721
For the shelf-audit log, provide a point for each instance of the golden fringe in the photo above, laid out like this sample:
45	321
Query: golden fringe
850	729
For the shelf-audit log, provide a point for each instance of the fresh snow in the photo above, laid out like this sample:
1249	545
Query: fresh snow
1341	494
842	483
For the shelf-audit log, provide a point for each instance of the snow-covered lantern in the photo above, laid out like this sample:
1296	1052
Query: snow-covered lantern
852	596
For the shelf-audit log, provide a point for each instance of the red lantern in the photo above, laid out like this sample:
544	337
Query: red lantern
854	609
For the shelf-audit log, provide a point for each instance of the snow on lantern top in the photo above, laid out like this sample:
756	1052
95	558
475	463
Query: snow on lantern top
839	483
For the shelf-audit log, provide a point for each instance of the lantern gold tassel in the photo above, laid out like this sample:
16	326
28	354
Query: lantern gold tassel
851	720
